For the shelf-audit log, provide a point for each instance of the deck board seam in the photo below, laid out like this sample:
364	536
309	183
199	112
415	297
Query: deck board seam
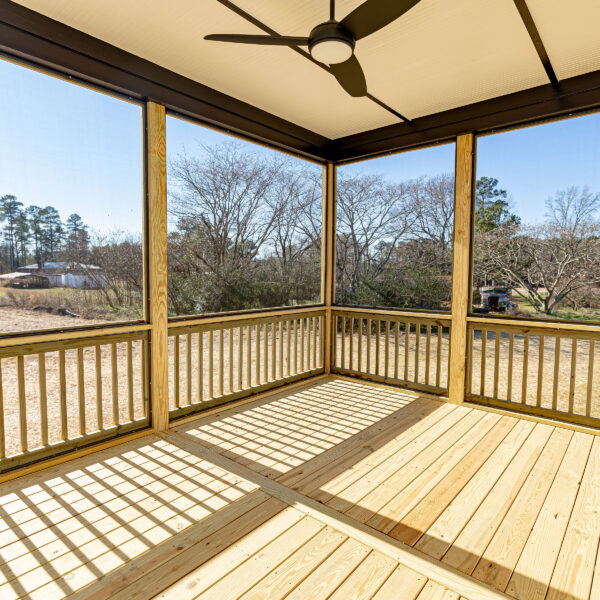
446	576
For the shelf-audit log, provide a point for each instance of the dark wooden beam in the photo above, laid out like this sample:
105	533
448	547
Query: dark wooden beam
544	102
534	34
32	36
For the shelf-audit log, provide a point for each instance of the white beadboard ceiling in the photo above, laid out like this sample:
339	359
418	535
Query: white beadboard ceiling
439	55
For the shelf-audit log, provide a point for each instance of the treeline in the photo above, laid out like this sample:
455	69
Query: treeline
113	262
245	232
36	234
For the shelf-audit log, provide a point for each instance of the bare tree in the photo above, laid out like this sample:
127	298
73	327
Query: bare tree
553	261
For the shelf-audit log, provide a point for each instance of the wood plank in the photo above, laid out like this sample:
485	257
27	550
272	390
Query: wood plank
383	504
366	579
435	591
534	569
574	570
403	583
501	556
424	514
453	519
277	546
297	567
332	572
481	527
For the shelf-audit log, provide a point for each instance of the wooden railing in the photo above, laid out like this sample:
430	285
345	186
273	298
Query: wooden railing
407	349
60	395
546	369
216	360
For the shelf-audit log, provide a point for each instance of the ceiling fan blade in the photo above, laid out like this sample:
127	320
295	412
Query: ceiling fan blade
350	76
373	15
262	40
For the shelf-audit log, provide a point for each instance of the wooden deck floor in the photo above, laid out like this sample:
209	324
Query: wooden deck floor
337	489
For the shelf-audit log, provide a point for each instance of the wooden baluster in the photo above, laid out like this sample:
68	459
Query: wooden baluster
188	369
62	382
351	343
240	361
144	376
281	355
540	374
369	340
273	351
590	378
343	340
427	352
496	363
296	324
257	351
377	344
556	375
2	429
469	373
248	356
221	361
406	348
483	362
386	370
115	384
438	355
201	366
230	358
573	375
99	402
525	368
22	402
43	397
322	335
176	371
396	347
266	352
81	391
130	379
314	360
360	344
511	354
211	364
302	345
417	351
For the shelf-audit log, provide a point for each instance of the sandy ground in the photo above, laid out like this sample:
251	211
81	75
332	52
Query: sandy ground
15	319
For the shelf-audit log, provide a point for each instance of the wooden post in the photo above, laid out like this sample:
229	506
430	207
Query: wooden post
328	259
157	264
461	271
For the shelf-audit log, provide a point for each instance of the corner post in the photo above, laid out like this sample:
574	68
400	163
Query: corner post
157	264
461	270
328	258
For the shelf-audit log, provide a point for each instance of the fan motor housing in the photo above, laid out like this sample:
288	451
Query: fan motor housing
330	30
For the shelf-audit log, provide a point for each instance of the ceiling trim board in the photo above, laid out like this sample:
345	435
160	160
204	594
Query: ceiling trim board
536	39
535	104
31	36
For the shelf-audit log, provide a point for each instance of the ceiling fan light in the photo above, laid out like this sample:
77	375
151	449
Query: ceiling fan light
331	51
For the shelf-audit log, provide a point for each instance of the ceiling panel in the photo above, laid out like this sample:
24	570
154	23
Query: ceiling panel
439	55
274	79
570	32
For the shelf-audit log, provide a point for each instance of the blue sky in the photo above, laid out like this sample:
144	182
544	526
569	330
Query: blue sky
81	151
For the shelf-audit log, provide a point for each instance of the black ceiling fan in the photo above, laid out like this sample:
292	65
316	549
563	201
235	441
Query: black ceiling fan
332	42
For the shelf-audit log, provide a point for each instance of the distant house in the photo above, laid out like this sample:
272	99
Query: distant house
71	275
24	280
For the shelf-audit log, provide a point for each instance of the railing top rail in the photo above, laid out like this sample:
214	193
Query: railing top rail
54	345
225	321
396	315
34	337
537	327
